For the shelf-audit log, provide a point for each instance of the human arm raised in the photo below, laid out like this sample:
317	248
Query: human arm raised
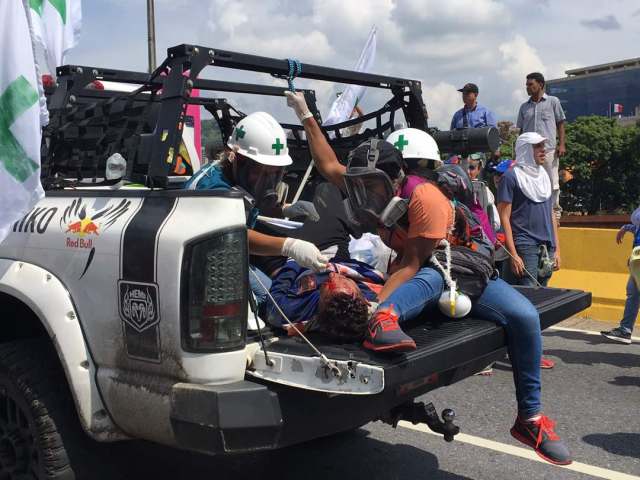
323	155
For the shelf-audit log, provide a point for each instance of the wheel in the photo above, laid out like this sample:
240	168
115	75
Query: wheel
38	421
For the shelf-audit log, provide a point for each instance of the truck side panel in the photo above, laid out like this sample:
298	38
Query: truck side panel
119	258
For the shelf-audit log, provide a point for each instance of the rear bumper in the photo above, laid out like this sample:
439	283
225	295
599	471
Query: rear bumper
250	416
237	417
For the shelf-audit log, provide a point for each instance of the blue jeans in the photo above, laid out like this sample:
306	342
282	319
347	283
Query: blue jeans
631	306
530	255
257	289
498	303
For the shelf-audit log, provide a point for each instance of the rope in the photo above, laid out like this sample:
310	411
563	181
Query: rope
446	272
326	362
295	69
523	267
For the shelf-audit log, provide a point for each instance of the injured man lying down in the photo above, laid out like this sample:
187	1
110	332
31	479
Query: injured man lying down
335	302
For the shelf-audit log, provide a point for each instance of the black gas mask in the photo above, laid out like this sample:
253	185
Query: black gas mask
371	192
259	180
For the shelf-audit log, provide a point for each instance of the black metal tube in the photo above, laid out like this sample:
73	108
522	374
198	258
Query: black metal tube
468	140
151	35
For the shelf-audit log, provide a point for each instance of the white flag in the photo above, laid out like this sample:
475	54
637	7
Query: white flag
345	103
20	132
56	26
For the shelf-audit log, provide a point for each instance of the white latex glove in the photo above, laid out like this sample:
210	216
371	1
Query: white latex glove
299	104
305	253
301	208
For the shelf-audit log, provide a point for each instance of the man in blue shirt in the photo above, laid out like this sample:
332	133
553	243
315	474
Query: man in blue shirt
472	115
525	208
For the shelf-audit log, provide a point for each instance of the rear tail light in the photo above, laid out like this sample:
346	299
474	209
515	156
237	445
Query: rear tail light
215	286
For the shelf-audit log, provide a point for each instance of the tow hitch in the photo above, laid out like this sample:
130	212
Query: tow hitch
421	413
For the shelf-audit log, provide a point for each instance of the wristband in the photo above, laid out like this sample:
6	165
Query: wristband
305	115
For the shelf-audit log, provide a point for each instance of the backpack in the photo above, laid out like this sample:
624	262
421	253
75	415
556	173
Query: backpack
455	183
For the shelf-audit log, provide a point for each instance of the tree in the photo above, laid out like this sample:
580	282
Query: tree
508	136
604	159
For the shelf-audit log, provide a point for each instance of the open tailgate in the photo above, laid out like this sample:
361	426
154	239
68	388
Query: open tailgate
447	351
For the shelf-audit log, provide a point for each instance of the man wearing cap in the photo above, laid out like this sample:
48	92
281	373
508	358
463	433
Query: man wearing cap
543	114
472	115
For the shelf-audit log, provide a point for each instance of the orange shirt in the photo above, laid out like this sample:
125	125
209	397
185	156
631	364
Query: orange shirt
430	216
430	213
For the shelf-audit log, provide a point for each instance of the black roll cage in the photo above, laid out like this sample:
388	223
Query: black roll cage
145	126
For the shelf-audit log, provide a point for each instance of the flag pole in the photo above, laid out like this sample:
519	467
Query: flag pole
151	35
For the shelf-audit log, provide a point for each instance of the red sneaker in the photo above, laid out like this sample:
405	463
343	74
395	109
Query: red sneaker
547	363
384	333
540	436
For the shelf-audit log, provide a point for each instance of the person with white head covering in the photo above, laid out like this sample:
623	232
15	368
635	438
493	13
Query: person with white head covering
622	333
525	208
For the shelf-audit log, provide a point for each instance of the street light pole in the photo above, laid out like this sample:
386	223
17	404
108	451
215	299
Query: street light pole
151	35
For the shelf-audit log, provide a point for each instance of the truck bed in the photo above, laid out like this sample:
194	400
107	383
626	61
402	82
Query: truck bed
444	344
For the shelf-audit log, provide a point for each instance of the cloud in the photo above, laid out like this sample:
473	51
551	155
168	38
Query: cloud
608	22
519	59
493	43
442	100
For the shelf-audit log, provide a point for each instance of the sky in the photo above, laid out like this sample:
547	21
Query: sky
442	43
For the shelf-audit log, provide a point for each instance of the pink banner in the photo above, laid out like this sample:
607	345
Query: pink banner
194	111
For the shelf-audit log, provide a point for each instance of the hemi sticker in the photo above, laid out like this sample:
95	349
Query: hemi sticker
138	293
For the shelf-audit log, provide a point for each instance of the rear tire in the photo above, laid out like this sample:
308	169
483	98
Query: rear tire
39	427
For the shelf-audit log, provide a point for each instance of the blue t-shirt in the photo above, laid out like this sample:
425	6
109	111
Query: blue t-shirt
530	221
211	177
479	117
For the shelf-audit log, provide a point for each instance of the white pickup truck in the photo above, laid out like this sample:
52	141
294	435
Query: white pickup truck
124	306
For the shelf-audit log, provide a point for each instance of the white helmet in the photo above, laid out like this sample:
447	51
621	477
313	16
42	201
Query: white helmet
260	137
415	144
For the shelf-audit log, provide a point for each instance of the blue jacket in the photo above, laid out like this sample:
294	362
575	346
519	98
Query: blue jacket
211	177
297	289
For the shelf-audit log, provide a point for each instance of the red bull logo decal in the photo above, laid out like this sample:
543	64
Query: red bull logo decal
83	227
83	224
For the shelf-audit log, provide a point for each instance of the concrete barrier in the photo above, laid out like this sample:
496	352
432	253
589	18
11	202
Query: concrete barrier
593	261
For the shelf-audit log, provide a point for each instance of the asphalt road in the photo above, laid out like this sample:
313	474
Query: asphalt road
593	394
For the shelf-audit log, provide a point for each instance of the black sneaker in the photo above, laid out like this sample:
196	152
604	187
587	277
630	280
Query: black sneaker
540	436
617	335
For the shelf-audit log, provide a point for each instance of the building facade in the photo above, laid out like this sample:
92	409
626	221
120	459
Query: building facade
611	89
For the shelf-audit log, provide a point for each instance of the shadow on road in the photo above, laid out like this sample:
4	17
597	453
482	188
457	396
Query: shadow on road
622	360
626	381
348	455
626	444
587	338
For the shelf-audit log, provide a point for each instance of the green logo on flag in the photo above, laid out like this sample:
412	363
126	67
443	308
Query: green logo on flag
37	5
401	143
60	5
14	101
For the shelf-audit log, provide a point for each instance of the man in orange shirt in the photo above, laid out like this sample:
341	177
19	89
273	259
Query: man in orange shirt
372	181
